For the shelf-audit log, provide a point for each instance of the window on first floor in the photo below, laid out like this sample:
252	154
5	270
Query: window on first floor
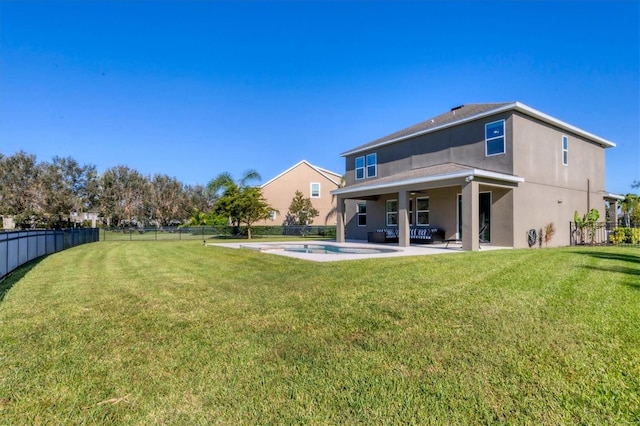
410	211
565	150
273	215
362	214
494	138
422	211
392	212
315	190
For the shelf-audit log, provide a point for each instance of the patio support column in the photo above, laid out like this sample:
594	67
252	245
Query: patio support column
613	212
404	239
340	220
470	213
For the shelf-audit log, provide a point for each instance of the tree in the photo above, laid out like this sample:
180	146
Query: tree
301	211
243	205
253	207
630	208
334	210
66	188
20	189
223	186
167	200
123	195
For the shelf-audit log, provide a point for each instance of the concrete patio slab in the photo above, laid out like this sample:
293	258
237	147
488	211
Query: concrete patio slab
356	249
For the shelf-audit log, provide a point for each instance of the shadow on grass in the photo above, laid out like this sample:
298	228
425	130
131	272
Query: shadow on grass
14	277
634	270
625	257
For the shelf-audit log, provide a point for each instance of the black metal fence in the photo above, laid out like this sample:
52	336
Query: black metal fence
213	232
604	233
20	247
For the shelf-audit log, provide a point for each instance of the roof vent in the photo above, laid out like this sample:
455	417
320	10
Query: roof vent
458	107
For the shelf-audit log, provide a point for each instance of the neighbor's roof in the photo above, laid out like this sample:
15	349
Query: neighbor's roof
470	112
332	176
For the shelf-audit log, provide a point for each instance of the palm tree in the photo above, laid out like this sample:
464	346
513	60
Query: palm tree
334	210
224	181
224	184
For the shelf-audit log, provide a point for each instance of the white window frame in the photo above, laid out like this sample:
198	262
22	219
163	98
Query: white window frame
418	211
410	211
487	140
371	162
360	214
391	213
565	150
273	214
311	189
361	168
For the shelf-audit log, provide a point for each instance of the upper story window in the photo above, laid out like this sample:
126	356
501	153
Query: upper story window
372	165
359	167
362	214
366	166
494	138
565	150
315	190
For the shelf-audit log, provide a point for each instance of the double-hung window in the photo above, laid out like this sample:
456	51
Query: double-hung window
494	138
315	190
565	150
422	211
359	167
372	165
362	214
366	166
392	212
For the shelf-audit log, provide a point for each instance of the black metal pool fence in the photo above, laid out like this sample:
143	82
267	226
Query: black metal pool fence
604	233
213	232
20	247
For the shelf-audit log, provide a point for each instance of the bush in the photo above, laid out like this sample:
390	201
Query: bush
617	236
625	236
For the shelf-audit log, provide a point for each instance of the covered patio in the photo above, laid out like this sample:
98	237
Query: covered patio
463	201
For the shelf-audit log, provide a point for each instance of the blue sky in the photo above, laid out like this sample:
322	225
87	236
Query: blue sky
192	89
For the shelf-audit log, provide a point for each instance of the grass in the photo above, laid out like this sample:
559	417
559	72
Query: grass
177	333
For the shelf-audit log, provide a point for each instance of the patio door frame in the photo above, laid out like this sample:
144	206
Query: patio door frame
480	224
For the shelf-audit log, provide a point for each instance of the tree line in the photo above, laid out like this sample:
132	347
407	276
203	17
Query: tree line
46	194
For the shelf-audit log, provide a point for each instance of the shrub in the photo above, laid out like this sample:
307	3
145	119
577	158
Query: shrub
618	236
625	236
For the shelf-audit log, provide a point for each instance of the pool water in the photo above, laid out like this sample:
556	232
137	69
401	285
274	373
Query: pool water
331	249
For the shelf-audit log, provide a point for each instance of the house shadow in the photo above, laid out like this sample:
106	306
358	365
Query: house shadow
14	277
633	269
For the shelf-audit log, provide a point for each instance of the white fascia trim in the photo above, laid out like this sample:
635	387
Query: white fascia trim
613	196
456	175
513	106
564	125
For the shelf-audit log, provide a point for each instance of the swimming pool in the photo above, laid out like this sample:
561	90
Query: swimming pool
331	249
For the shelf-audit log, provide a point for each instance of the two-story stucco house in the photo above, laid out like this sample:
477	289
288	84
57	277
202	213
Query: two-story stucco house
482	173
314	182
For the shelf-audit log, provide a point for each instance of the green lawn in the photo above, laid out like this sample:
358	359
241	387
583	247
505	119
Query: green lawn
173	332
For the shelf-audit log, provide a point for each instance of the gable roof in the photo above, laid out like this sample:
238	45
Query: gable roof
332	176
470	112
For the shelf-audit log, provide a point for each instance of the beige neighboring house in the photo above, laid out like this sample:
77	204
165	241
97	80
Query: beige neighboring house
479	173
314	182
